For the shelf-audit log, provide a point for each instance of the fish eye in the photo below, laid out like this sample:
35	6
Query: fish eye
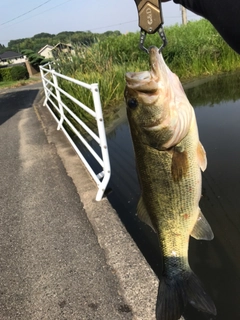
132	103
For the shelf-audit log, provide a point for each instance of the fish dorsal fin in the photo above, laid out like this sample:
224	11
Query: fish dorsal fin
201	156
143	214
202	229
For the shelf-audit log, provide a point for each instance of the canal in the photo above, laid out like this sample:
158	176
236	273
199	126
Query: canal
216	102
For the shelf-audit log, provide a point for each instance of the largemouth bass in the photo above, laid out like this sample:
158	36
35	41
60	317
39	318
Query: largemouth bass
169	160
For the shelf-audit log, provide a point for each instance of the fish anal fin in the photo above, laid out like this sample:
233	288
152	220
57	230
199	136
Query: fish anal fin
174	294
202	229
201	156
143	214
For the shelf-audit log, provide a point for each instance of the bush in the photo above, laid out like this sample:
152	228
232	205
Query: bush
14	73
19	73
5	74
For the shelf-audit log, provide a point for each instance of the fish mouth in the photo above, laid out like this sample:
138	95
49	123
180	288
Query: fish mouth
135	77
142	82
146	84
142	86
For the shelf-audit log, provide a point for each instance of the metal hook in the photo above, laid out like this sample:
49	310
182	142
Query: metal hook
162	36
142	39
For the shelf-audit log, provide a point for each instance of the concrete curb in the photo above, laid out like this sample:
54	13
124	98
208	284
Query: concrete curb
137	282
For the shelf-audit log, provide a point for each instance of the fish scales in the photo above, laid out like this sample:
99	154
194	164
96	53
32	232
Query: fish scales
171	209
169	159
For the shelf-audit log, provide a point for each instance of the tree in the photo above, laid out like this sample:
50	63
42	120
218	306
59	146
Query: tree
41	39
112	33
2	48
35	59
43	35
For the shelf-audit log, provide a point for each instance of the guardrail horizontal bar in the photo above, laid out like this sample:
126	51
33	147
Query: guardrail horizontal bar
46	64
84	141
52	94
77	150
44	69
53	114
81	123
47	72
98	182
80	83
53	103
49	82
79	103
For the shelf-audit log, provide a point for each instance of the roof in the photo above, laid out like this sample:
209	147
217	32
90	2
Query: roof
62	45
46	46
10	55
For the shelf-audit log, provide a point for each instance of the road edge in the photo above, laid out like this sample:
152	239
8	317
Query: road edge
137	281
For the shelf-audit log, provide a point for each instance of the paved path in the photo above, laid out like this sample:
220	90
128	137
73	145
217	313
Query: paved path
51	263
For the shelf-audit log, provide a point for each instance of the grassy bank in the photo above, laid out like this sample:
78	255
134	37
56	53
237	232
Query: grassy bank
193	50
19	83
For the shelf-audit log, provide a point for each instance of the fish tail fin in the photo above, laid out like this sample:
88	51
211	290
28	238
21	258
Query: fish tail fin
175	293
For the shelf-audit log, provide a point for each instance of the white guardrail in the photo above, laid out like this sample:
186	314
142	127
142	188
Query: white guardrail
53	94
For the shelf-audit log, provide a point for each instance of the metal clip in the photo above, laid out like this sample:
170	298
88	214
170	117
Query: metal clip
143	36
150	21
163	37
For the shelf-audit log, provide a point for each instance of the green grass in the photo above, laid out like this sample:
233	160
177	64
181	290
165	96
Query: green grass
193	50
197	49
19	83
7	84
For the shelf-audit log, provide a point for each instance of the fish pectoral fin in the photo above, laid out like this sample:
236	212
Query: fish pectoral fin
180	165
202	229
201	155
143	214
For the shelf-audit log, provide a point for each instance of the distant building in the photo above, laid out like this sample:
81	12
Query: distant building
11	57
52	52
62	47
46	52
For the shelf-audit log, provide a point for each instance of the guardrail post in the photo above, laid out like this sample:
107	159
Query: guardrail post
59	100
103	142
44	86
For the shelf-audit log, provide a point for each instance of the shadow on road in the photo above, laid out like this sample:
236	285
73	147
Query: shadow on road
14	101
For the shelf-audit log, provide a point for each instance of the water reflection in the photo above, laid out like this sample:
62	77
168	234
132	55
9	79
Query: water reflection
214	90
217	106
217	262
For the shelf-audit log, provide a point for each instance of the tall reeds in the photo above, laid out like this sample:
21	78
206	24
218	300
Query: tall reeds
193	50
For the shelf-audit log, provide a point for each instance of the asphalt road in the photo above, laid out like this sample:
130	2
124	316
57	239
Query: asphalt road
51	264
63	255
